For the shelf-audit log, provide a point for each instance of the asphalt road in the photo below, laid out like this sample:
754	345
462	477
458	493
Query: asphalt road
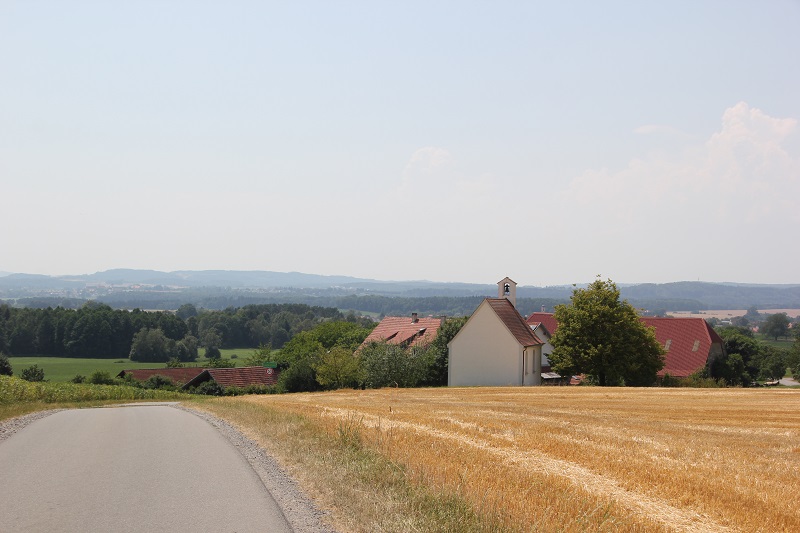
135	468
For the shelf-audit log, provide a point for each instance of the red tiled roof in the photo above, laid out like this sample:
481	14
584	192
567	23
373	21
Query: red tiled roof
548	320
403	330
178	375
690	341
682	357
509	315
238	377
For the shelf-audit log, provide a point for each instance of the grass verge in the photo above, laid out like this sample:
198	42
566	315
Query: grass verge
363	490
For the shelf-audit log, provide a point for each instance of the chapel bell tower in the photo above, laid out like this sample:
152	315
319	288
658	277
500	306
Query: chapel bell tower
507	288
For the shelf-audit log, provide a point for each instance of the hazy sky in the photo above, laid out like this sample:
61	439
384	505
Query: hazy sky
449	141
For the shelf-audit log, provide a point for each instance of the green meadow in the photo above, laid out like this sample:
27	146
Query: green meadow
60	369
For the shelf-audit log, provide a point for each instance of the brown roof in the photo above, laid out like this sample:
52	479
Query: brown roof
548	320
509	316
404	330
237	377
690	342
178	375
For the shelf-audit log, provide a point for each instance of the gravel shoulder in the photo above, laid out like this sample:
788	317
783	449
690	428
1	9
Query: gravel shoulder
298	509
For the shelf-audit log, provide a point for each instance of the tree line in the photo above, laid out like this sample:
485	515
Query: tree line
98	331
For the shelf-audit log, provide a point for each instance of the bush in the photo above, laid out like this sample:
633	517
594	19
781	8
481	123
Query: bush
32	373
101	377
78	379
158	382
5	365
209	388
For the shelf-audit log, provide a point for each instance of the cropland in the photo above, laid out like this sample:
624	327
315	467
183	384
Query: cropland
539	459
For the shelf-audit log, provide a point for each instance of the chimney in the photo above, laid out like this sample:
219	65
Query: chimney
542	308
414	318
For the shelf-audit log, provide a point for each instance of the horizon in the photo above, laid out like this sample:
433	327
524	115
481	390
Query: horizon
422	140
4	273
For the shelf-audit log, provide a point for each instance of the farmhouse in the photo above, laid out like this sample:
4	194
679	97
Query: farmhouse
543	326
407	332
237	377
496	347
690	343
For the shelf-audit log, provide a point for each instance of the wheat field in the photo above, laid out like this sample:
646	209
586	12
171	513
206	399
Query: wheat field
585	458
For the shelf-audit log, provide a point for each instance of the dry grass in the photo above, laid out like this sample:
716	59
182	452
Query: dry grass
566	459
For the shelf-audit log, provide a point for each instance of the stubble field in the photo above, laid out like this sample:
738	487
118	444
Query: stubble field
563	458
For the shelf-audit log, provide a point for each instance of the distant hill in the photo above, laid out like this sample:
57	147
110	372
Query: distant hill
152	289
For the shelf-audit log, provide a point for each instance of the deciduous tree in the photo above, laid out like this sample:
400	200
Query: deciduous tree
600	335
776	325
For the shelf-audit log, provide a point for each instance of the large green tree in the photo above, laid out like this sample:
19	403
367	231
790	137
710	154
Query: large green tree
601	335
151	345
776	325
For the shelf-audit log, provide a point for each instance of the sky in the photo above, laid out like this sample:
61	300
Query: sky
460	141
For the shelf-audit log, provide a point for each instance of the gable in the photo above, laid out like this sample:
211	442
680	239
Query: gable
506	320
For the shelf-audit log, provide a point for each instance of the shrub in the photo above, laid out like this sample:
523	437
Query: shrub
209	388
158	382
101	377
5	365
78	379
32	373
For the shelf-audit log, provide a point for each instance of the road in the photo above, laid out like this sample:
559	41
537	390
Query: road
133	468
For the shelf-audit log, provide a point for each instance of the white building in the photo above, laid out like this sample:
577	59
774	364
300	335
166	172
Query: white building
496	347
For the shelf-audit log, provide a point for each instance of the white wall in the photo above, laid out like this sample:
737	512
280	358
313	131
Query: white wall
547	348
484	353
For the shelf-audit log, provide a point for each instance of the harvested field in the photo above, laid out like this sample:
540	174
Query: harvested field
584	458
726	314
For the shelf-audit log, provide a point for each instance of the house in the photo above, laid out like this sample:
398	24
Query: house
177	375
407	332
690	343
495	347
543	326
237	377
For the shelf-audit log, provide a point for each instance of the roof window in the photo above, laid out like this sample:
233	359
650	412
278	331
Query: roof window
667	344
696	346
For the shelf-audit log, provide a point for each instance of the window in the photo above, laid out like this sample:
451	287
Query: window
696	346
667	344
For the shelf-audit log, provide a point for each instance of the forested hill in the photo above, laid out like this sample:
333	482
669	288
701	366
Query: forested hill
149	289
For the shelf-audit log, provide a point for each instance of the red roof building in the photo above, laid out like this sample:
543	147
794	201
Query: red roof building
237	377
690	343
548	320
495	347
405	331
